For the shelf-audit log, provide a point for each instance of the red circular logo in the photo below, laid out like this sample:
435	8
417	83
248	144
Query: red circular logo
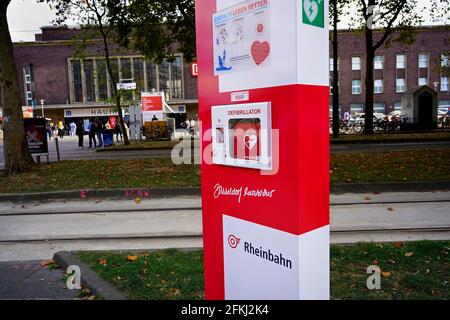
233	241
260	27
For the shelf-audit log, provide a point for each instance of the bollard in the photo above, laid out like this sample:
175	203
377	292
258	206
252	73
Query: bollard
57	149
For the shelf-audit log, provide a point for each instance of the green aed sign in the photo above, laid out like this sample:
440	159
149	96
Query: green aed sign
313	13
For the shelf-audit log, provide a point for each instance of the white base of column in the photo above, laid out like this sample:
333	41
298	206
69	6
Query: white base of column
267	264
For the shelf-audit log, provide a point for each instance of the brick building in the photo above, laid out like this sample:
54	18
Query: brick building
79	88
48	70
398	69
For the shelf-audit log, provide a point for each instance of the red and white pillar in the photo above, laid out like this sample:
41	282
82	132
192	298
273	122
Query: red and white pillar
264	99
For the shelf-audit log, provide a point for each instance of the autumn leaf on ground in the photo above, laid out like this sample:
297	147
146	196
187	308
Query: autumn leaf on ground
138	200
409	254
390	209
386	274
176	292
132	258
398	244
46	263
92	298
367	199
102	261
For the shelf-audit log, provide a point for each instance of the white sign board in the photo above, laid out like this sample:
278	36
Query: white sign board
126	86
93	112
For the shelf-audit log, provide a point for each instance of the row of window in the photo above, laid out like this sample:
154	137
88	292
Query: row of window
423	62
90	82
400	85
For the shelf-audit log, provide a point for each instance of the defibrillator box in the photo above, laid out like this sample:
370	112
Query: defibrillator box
242	135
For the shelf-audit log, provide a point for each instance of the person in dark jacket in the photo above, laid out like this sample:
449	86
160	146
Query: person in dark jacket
79	131
99	130
118	132
92	131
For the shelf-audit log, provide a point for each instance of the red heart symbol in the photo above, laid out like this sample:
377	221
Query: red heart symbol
260	51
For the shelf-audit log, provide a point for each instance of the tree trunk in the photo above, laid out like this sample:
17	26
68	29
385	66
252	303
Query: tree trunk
336	115
115	93
369	81
17	156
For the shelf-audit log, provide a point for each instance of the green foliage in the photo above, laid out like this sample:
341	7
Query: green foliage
157	275
396	166
156	28
175	274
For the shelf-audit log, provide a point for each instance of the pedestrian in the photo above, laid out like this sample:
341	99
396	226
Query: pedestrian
91	128
98	132
49	130
80	133
73	129
54	129
154	118
107	126
346	117
60	129
118	132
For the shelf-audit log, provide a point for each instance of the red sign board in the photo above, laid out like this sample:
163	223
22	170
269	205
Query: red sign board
152	103
113	122
194	69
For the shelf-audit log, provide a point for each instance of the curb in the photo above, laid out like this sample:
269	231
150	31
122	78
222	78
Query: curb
133	149
381	141
342	188
101	193
339	188
89	278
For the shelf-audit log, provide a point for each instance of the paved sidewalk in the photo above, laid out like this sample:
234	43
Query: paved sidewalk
29	280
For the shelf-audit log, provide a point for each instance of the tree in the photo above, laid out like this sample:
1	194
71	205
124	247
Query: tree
94	17
440	11
386	16
17	156
336	9
156	28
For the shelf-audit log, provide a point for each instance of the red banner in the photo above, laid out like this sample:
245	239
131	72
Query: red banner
113	122
152	103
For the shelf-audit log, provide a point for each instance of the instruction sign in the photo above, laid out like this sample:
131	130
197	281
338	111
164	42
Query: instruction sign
241	36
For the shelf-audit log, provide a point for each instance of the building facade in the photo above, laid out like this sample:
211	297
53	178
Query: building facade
398	69
61	85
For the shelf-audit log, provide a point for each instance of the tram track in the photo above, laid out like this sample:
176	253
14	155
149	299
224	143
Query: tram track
193	208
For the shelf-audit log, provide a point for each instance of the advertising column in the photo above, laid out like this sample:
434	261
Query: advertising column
263	103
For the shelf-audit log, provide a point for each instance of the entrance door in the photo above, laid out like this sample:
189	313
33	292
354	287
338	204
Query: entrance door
425	111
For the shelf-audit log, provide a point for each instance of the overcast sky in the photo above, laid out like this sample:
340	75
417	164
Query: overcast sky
25	17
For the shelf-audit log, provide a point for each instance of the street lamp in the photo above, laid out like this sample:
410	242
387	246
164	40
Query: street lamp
42	107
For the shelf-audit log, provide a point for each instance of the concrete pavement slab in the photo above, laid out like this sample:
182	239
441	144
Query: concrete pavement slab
29	280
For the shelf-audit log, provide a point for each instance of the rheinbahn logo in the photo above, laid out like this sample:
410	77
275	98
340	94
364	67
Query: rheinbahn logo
233	241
